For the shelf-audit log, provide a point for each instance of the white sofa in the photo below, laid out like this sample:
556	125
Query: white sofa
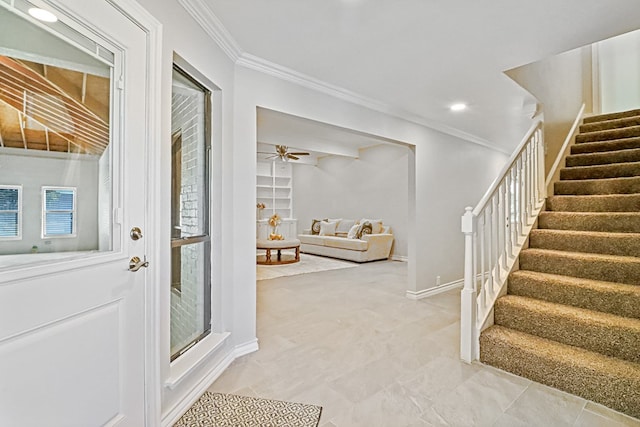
370	247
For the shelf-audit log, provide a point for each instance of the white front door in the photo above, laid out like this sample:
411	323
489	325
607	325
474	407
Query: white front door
72	314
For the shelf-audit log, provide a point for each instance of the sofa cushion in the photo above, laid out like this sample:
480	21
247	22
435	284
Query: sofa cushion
353	231
364	229
345	225
315	225
327	228
352	244
376	225
311	239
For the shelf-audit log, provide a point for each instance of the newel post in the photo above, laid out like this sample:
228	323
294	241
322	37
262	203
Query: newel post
468	339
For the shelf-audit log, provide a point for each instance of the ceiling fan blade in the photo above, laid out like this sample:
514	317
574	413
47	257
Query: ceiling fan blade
300	154
291	156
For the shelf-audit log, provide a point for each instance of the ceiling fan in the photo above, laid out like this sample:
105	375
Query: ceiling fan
282	152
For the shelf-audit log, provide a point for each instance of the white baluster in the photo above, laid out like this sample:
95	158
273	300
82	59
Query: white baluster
468	316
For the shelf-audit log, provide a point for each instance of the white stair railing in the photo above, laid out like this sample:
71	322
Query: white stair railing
494	234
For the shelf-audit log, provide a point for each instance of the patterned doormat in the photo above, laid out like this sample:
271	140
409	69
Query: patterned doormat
229	410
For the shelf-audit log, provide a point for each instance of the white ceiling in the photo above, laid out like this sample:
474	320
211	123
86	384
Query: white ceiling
420	56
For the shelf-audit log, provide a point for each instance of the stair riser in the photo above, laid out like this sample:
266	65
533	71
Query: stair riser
608	158
620	223
621	392
617	170
629	132
604	186
620	342
610	124
623	245
606	298
620	272
618	203
611	116
604	146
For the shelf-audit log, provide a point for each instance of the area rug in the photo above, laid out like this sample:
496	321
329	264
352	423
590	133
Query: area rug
229	410
308	264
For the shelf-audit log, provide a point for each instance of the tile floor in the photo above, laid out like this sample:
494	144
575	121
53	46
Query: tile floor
350	341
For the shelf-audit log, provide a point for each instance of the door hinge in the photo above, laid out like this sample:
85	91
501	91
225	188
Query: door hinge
120	84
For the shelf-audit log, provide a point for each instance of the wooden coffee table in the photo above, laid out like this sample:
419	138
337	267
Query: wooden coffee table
278	245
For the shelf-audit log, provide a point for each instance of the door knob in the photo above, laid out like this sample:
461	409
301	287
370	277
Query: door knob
135	263
135	233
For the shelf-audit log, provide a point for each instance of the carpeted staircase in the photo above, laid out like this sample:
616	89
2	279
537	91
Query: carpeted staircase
571	316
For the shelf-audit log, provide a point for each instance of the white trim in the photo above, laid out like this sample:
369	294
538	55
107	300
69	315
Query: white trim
18	236
246	348
198	390
73	212
210	23
425	293
400	258
9	151
194	358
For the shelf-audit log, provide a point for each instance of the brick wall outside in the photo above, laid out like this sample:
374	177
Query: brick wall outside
187	306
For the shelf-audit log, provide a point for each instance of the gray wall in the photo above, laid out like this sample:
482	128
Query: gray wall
35	172
561	84
373	186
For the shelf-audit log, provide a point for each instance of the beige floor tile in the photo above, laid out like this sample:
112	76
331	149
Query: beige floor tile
350	341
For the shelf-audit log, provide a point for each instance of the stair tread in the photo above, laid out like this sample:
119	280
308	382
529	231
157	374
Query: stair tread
569	233
605	146
614	123
579	281
632	131
625	151
626	168
617	185
594	203
611	116
603	379
617	298
584	255
577	313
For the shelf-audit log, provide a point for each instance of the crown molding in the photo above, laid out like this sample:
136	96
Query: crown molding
210	23
205	17
267	67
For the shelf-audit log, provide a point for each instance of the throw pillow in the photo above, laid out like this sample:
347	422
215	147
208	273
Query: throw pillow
376	225
315	225
328	228
353	231
365	228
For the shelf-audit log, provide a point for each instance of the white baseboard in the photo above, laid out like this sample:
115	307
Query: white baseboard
400	258
194	394
425	293
246	348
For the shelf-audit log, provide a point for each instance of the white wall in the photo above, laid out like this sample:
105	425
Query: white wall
560	84
376	185
619	71
232	313
35	172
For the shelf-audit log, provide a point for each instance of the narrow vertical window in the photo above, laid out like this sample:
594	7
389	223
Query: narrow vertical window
190	238
10	212
58	212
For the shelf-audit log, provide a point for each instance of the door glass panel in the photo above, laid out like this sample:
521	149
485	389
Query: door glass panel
55	144
190	241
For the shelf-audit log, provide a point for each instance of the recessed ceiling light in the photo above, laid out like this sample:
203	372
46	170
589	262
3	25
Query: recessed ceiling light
42	15
458	107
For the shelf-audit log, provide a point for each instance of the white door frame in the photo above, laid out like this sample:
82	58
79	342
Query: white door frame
153	28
